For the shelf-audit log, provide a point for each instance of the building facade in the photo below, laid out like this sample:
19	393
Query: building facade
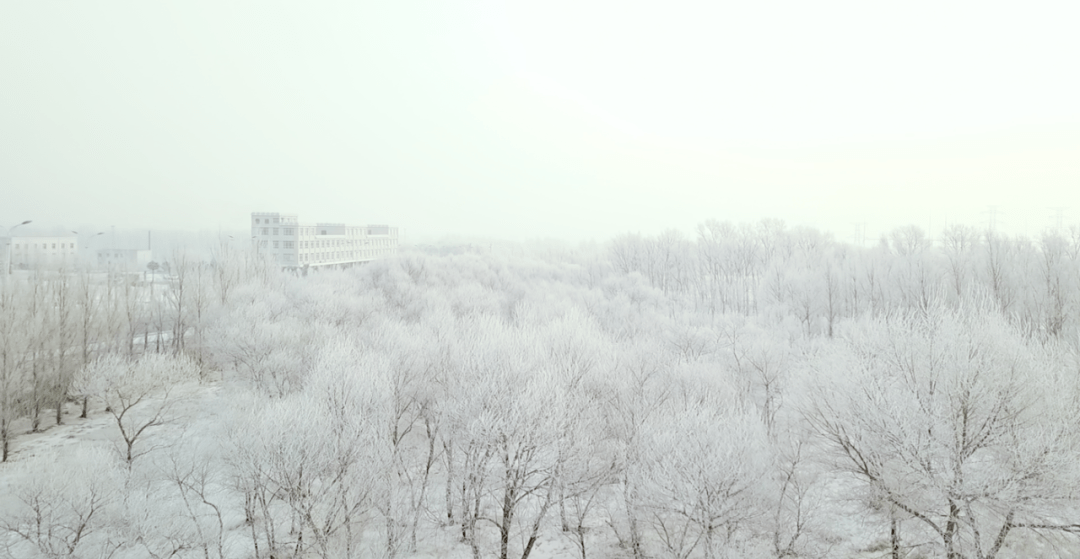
291	244
27	253
123	259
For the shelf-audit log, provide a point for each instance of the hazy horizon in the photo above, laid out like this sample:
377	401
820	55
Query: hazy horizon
568	120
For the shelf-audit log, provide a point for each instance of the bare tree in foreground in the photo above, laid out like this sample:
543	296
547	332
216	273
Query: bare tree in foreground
139	394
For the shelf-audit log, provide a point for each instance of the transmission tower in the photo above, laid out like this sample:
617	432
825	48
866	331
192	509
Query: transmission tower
1058	217
991	214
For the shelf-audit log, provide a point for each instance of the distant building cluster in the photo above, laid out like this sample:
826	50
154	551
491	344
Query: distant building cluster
279	236
24	253
292	244
54	253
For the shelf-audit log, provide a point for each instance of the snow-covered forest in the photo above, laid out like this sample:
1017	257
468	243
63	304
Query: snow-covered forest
754	391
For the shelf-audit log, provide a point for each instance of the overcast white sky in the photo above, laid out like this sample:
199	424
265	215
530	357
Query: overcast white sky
568	119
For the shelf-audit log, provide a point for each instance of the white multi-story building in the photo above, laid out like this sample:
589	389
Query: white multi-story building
24	253
291	244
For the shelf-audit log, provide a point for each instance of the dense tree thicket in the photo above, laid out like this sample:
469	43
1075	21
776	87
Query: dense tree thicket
757	391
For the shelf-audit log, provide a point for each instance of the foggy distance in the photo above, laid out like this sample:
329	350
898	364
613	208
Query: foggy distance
570	120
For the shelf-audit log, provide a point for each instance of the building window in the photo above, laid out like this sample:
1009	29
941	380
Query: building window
256	221
275	244
275	230
289	244
265	230
288	231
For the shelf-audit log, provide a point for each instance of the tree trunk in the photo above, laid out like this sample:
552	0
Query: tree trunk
1000	540
4	439
894	534
948	537
449	451
507	518
423	485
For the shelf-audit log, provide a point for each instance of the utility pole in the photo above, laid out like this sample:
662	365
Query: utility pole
9	240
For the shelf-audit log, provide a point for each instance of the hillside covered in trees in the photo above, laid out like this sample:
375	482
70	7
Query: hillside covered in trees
756	391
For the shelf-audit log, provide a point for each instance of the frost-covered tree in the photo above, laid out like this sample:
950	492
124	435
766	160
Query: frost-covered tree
139	394
310	467
960	245
263	339
706	460
66	506
638	389
65	310
181	506
997	270
956	424
505	429
14	340
731	262
1056	289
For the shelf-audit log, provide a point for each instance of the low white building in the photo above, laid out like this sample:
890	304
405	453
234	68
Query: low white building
292	244
123	259
27	253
